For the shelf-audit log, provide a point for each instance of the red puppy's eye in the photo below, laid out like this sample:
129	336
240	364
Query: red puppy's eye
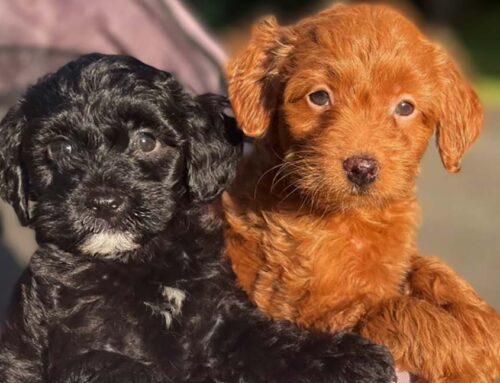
320	98
404	108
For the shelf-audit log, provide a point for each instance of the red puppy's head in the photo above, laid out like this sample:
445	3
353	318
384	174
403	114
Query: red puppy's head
352	96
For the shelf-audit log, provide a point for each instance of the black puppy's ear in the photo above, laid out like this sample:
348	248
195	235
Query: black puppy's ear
215	146
12	177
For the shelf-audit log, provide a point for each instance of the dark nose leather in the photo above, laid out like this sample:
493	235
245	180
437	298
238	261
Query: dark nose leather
361	170
105	203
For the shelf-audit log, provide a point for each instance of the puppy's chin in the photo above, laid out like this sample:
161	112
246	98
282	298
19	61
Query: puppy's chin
360	191
109	244
350	198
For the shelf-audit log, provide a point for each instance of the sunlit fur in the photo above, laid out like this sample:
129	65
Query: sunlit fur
309	246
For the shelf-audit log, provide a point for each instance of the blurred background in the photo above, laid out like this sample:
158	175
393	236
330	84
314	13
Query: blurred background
461	213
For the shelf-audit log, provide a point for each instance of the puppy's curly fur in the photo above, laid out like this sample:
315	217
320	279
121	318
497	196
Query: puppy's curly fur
114	166
312	243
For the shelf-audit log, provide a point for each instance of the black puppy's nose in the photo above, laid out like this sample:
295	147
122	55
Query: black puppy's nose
105	203
361	171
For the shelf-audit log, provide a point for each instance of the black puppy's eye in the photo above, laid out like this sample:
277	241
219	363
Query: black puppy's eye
146	142
320	98
404	108
60	149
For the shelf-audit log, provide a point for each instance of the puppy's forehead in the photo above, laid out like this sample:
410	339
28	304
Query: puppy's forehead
90	85
96	113
371	47
97	116
362	31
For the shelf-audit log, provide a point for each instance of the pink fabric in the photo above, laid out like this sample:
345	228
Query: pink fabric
159	32
404	377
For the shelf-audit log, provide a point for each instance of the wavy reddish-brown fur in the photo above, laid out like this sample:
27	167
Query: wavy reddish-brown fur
307	247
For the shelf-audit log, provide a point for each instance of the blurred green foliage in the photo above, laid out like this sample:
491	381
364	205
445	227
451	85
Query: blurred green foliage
479	31
221	13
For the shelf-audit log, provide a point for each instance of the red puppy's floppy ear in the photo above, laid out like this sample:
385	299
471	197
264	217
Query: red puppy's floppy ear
255	76
460	116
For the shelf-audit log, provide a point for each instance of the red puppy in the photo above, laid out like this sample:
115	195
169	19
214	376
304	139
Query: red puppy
322	219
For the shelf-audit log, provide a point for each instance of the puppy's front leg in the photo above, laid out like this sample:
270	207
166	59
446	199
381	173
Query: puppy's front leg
24	336
426	340
245	346
435	282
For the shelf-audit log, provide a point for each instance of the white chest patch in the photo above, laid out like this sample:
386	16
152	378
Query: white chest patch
175	297
171	307
109	243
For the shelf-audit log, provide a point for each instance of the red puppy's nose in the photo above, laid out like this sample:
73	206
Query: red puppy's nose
361	170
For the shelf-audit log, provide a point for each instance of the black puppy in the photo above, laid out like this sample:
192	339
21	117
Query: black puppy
114	165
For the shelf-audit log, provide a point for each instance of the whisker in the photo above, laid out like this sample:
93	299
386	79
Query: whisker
288	195
275	182
262	177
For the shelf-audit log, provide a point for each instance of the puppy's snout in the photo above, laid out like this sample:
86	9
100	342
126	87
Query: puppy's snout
105	203
361	170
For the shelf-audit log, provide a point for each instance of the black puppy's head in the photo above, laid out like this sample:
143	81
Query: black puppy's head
99	156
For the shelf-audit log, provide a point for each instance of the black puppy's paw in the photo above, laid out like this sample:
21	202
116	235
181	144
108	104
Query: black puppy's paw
361	360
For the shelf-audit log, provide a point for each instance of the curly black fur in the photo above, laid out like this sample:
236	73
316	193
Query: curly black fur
129	283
